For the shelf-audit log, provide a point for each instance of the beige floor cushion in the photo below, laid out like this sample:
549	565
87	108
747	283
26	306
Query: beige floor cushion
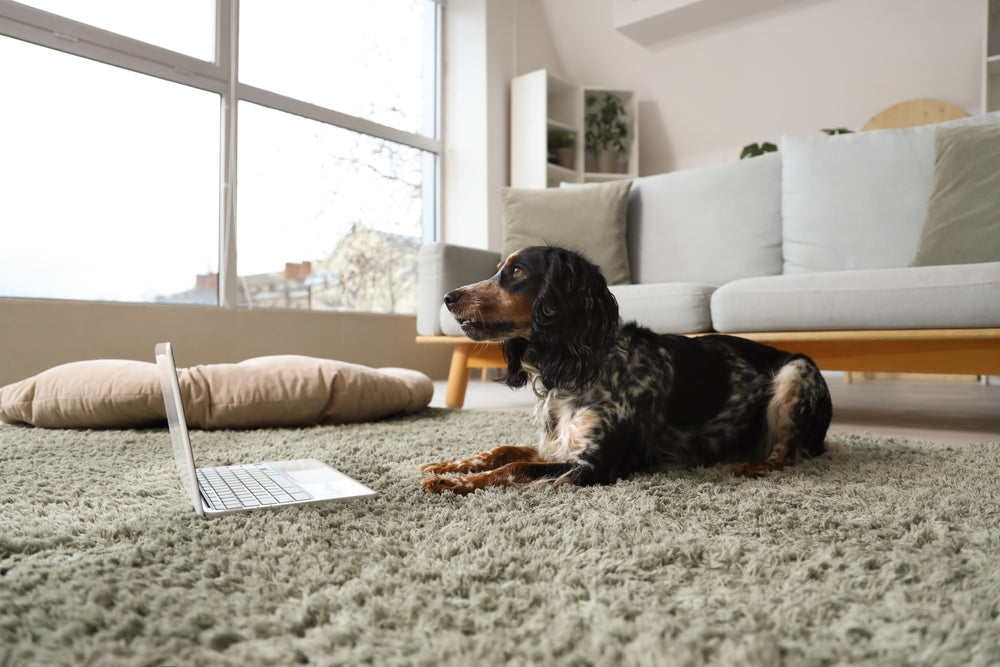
283	390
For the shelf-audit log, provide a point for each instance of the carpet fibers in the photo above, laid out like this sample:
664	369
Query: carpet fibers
884	552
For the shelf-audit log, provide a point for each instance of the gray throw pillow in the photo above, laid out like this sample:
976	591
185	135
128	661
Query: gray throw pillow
589	219
963	216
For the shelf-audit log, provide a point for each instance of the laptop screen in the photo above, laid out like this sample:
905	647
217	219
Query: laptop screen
177	423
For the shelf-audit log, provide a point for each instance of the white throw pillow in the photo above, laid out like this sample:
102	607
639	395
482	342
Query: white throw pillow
708	225
858	201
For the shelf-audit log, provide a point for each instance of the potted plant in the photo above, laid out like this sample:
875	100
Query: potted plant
757	149
606	129
562	148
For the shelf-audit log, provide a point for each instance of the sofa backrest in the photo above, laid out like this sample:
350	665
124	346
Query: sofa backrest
858	201
708	225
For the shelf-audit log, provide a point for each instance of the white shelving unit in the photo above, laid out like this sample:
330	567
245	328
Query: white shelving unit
991	75
543	105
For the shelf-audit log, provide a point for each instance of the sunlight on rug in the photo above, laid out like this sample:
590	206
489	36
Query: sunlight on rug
884	552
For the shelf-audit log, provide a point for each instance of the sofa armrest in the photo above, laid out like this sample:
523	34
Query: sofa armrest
442	268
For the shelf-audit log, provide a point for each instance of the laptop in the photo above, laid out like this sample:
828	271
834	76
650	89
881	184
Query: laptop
248	487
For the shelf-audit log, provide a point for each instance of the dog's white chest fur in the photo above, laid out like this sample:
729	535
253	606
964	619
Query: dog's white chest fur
565	432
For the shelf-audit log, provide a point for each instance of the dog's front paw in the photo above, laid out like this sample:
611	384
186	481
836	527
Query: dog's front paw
438	468
457	485
755	470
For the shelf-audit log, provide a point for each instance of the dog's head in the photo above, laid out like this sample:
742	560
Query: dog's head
550	307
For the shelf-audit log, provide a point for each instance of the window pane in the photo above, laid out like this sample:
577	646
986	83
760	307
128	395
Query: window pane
108	182
185	26
372	59
328	219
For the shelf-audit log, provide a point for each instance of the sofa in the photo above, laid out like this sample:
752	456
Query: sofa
871	251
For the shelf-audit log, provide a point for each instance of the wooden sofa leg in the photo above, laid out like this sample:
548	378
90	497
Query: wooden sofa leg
458	375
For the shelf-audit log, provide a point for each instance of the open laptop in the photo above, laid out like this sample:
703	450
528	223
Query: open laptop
242	488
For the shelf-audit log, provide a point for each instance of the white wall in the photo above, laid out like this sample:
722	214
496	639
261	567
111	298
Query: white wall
790	70
486	43
479	57
794	69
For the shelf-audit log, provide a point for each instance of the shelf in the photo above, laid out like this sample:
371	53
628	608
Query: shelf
993	29
559	127
561	100
543	105
595	176
556	175
991	75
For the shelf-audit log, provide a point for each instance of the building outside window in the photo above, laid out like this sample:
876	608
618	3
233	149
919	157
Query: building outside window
247	154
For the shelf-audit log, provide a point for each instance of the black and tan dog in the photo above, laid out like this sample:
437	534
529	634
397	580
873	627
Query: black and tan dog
617	399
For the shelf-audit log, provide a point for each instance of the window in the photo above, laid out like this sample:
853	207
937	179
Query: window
184	26
338	212
367	59
119	182
89	201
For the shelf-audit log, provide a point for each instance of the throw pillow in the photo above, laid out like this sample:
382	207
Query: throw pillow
963	216
708	225
589	219
858	201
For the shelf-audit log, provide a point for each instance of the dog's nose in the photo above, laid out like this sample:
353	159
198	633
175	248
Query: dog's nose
451	297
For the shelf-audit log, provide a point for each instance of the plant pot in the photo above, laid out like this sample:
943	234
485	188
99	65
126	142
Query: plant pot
564	157
607	161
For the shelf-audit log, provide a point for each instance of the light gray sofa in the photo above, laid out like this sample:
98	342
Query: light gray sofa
809	249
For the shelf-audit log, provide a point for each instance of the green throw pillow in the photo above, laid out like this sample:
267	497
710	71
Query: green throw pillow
589	219
963	216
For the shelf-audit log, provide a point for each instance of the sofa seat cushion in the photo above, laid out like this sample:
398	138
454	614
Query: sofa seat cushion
928	297
666	307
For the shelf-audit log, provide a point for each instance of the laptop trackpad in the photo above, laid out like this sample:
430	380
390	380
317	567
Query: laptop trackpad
322	481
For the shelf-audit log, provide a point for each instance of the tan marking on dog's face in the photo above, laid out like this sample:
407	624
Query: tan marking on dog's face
489	310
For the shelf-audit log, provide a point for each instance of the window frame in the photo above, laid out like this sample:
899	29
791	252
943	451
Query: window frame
222	77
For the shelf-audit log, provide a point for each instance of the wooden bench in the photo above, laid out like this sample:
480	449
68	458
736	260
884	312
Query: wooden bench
948	351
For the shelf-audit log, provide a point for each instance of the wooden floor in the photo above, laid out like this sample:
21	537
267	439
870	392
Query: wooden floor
940	411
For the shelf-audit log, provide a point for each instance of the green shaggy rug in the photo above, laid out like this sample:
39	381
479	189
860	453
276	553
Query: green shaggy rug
884	552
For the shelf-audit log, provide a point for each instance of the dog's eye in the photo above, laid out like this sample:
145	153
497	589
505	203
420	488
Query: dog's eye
517	272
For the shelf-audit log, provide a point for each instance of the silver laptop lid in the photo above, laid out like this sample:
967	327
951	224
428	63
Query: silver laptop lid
177	424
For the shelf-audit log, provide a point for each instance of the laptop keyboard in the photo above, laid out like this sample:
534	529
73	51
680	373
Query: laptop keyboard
246	486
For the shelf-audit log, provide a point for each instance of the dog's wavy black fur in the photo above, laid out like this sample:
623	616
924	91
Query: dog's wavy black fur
616	399
567	350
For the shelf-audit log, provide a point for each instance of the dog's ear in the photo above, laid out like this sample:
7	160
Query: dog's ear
574	321
513	350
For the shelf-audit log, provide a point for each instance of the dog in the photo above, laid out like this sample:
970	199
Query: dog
617	399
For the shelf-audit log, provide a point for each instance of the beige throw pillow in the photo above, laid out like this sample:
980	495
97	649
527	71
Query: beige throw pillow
589	219
963	216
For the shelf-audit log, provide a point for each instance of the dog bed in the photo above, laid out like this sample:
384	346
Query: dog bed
286	390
